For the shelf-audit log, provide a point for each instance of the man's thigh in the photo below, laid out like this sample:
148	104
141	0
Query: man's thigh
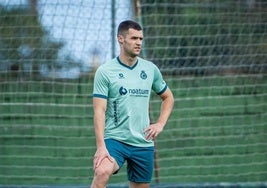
117	151
140	165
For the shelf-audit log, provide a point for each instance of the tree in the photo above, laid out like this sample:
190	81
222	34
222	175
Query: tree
24	44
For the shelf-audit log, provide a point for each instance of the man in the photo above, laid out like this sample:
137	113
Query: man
121	95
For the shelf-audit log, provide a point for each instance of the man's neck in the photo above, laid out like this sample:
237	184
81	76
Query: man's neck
129	61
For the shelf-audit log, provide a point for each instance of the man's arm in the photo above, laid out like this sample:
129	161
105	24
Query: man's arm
100	106
166	108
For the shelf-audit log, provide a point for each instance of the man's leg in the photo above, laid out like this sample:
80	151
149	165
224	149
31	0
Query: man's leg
140	166
139	185
103	173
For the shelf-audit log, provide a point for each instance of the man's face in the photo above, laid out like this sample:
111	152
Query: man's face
132	42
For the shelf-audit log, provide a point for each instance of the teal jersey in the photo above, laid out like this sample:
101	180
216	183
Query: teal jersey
127	91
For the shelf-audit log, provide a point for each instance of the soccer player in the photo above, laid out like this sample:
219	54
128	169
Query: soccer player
121	96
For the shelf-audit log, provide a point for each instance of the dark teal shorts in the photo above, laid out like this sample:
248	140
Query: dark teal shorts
140	160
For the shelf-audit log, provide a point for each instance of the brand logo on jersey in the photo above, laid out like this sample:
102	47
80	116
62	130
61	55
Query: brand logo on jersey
115	113
143	75
121	76
134	92
122	91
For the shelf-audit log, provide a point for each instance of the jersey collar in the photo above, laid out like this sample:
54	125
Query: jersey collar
129	67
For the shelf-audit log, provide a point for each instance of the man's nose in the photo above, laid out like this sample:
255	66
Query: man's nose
139	41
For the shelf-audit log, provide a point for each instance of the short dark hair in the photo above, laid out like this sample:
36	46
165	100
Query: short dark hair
126	25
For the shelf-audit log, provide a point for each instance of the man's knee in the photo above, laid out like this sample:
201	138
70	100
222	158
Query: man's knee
103	172
101	177
106	168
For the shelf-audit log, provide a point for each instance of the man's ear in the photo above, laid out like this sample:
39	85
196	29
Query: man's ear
120	39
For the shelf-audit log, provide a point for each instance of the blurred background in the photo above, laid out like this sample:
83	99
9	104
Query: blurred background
64	38
212	54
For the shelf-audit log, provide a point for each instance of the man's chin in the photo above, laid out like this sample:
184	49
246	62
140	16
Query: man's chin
133	55
137	53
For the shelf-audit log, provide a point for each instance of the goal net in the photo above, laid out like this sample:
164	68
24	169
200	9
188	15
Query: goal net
212	55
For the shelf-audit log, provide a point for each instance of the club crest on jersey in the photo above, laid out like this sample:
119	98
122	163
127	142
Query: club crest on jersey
143	75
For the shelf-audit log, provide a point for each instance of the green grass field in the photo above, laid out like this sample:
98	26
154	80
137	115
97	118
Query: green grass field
217	131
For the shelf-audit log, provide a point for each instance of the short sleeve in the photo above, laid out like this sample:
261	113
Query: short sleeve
159	85
101	84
